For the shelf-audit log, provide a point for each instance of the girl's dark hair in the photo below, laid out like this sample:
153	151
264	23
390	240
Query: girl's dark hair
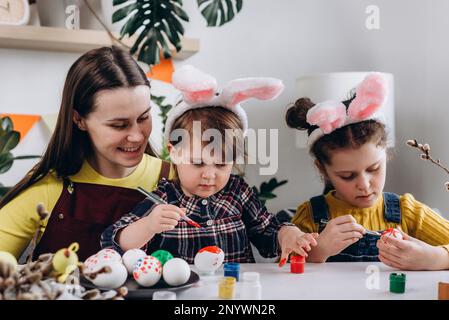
350	136
99	69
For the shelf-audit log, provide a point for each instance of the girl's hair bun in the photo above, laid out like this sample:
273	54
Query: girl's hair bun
296	116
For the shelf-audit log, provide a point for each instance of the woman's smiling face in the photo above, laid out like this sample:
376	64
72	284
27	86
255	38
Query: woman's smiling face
119	128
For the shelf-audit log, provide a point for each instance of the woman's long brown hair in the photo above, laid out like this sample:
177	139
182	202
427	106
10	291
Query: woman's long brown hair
99	69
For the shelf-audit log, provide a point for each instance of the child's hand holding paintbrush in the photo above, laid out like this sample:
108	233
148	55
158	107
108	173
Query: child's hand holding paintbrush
163	217
166	216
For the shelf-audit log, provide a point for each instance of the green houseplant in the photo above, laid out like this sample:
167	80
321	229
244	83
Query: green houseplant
158	23
9	139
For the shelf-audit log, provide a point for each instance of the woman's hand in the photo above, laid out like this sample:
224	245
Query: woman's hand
339	234
164	217
411	254
291	239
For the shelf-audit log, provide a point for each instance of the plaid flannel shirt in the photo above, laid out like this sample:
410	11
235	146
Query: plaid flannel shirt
229	219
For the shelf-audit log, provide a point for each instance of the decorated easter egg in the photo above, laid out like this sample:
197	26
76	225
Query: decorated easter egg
209	259
109	280
176	272
105	255
393	233
91	263
130	258
147	271
109	255
7	257
162	255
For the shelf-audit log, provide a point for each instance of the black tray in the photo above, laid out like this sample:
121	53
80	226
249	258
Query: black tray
135	291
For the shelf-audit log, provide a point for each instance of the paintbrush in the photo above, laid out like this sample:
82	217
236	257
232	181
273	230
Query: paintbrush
156	199
371	232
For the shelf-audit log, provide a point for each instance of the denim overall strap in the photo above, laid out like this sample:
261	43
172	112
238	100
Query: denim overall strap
320	211
392	207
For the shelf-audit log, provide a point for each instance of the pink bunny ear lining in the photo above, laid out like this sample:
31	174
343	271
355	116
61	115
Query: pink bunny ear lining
199	96
261	93
370	96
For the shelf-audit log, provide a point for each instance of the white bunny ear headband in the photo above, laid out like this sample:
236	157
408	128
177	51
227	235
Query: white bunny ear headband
331	115
199	90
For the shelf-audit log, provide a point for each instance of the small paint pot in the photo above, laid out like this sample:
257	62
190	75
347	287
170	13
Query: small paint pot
226	288
443	291
297	264
164	295
232	269
397	282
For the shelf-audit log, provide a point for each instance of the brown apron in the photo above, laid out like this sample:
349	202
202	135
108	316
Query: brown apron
84	211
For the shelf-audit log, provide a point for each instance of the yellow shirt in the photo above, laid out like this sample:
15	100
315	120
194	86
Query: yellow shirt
417	219
19	219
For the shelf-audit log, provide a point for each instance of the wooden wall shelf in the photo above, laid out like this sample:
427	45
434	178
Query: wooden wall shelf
64	40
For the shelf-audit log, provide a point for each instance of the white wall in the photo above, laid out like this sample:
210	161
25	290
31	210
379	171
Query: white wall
287	39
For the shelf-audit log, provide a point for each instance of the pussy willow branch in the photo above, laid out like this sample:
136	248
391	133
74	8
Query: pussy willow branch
425	155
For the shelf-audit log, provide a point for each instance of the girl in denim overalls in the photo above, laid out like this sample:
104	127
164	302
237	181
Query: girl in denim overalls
348	141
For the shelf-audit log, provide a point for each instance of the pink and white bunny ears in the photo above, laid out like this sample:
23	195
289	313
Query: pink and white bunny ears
330	115
199	90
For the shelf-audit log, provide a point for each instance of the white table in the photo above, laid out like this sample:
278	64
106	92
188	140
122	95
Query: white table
343	280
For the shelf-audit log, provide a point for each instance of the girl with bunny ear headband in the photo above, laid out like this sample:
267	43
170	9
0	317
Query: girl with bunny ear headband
199	90
224	205
348	142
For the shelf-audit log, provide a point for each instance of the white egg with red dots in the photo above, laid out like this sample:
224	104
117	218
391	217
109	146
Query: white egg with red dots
109	280
147	271
105	255
176	272
393	233
130	258
109	255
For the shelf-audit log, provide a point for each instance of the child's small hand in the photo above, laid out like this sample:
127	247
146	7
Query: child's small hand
292	239
339	234
164	217
411	254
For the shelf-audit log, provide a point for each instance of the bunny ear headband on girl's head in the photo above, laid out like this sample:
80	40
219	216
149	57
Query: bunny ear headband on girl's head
331	115
199	90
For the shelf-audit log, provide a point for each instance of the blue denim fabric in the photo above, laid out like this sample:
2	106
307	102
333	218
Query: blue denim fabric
365	249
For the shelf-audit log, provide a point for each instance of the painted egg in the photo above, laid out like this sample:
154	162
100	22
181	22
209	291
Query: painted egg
209	259
109	255
105	255
91	262
147	271
176	272
393	233
162	255
130	258
110	280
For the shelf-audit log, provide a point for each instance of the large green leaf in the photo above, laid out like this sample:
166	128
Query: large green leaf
117	2
9	141
6	161
158	24
219	12
6	124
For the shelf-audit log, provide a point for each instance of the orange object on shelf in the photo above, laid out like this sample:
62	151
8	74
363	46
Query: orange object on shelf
162	71
22	122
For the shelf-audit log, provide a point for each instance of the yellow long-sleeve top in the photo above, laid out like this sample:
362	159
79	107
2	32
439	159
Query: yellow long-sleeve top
417	219
19	219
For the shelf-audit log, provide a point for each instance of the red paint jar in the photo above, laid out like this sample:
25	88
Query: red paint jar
297	264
